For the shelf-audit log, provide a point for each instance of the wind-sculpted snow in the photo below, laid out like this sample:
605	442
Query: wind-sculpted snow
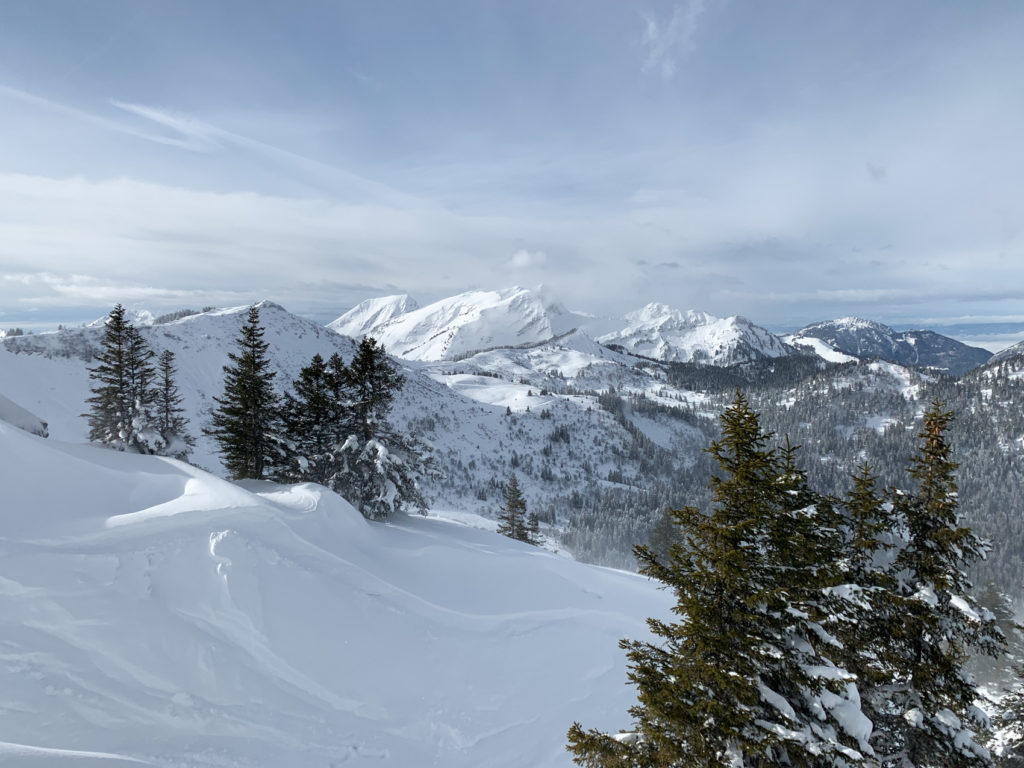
151	612
14	414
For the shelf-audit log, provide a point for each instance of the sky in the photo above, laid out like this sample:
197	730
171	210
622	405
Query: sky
789	162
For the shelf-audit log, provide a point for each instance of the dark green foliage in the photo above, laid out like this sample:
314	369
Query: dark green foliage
939	616
377	468
121	413
247	421
512	517
748	581
338	433
170	416
765	581
866	531
371	381
316	419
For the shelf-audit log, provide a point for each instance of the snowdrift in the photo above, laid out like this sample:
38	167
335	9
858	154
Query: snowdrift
153	614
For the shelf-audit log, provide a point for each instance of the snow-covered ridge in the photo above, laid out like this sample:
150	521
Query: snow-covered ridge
663	333
459	325
866	339
152	612
367	315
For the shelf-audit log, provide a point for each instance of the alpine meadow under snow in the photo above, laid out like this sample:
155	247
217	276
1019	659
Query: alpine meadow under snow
157	613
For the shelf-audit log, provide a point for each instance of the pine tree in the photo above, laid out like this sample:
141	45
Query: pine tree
512	518
121	413
110	404
376	468
247	422
371	381
170	416
141	374
868	542
742	678
533	529
933	696
316	420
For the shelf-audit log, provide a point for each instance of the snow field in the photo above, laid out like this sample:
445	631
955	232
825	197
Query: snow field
153	612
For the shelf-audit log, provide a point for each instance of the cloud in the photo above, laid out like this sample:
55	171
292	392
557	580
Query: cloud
523	259
194	134
666	42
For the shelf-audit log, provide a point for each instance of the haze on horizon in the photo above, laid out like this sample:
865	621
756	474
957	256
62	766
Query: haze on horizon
787	162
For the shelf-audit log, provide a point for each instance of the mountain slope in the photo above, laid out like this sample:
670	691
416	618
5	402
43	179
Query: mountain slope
534	411
663	333
17	416
368	315
867	339
460	325
153	612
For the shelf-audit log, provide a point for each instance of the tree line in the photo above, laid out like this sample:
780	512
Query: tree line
135	403
809	630
332	428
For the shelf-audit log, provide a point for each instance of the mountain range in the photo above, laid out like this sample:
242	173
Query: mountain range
459	326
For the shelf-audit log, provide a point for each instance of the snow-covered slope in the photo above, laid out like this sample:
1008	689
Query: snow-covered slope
151	612
17	416
1011	352
663	333
867	339
47	373
460	325
368	315
459	408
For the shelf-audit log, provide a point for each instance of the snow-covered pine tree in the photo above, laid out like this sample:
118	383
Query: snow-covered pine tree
141	374
316	420
110	406
170	416
376	468
742	679
121	414
868	539
512	518
933	696
371	381
247	421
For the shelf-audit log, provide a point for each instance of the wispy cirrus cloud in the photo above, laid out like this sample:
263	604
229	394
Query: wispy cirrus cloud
665	42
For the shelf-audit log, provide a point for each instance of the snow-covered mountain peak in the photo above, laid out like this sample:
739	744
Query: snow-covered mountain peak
137	317
665	333
854	324
463	324
369	314
662	315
